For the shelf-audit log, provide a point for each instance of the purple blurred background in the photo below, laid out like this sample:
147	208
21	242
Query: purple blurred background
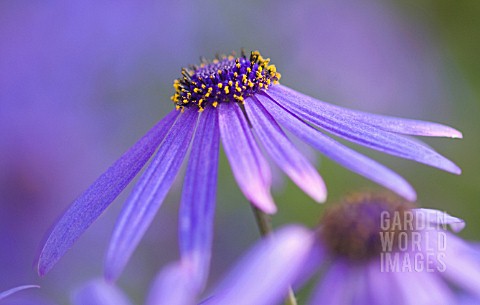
80	82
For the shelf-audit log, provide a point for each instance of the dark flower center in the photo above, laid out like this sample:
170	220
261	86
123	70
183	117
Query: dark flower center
224	79
356	229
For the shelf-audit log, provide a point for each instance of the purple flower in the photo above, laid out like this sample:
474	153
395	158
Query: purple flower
371	250
174	286
237	100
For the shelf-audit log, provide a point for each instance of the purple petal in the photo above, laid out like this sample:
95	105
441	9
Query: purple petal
336	287
421	287
440	219
462	264
465	299
97	292
174	286
147	196
387	123
381	285
361	133
345	156
86	208
283	152
248	165
198	199
11	291
317	257
264	274
361	295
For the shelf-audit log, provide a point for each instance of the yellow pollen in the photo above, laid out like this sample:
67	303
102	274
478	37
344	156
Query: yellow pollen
206	84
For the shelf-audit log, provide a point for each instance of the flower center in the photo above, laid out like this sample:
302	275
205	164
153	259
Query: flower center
358	227
224	79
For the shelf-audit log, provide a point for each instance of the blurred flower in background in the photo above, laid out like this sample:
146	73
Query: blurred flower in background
173	284
370	249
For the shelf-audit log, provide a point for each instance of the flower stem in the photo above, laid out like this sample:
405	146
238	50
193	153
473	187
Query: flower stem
264	223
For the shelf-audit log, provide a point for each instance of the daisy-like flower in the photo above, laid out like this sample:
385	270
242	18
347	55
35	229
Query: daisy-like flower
237	100
371	250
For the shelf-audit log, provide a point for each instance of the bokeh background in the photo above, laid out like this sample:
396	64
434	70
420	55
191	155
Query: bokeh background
80	81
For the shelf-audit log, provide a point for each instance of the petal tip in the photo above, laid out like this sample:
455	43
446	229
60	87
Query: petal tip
453	133
443	131
263	200
315	188
448	166
457	135
43	267
408	193
411	197
458	226
456	170
320	197
41	272
271	209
